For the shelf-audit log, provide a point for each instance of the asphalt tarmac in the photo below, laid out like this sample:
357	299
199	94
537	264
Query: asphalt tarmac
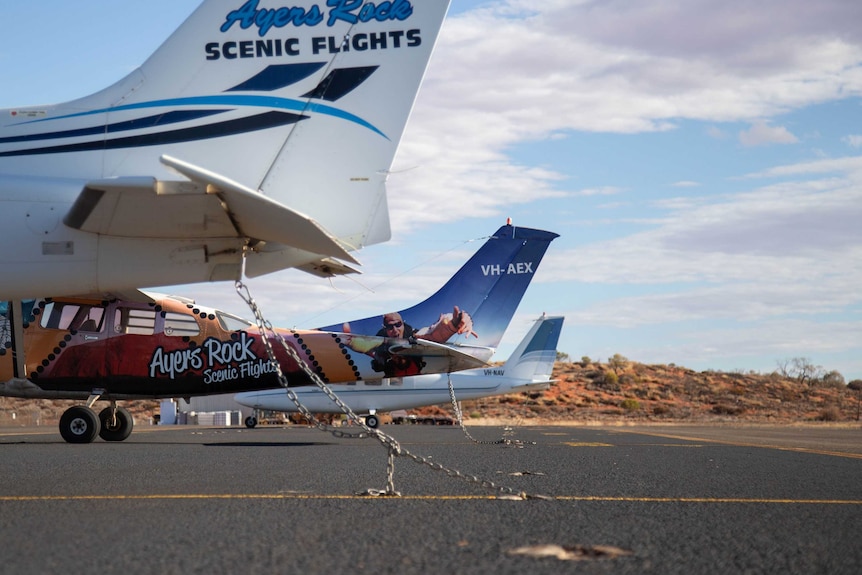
291	500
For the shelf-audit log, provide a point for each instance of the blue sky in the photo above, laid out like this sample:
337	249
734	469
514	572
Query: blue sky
701	160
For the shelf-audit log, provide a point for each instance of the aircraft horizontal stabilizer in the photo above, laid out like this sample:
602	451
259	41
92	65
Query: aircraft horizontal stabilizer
429	350
258	217
208	206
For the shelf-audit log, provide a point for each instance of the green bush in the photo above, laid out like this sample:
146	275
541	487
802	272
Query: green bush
630	404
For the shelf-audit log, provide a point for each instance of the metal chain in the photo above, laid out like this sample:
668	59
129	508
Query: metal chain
504	440
391	444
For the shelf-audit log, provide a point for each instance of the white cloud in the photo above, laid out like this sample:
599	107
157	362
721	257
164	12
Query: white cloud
854	141
518	71
762	133
603	191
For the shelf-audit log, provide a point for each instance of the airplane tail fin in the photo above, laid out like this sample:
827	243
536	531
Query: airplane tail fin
534	357
474	308
304	103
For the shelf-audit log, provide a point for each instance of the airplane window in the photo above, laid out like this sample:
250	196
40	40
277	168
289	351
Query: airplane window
231	322
58	316
92	319
67	316
27	306
179	325
135	321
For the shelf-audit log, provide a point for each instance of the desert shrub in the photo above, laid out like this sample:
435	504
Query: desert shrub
829	414
618	363
660	410
630	404
585	361
833	380
724	409
611	379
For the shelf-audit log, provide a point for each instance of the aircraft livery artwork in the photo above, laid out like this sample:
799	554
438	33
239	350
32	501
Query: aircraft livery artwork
163	346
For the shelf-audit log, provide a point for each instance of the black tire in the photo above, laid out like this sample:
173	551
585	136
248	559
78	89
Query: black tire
251	422
372	421
115	429
79	424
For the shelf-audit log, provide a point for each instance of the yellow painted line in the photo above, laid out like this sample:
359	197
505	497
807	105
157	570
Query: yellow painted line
597	444
311	497
51	431
711	500
236	496
745	444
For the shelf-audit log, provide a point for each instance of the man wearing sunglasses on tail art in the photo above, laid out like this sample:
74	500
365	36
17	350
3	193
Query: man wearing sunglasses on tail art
449	324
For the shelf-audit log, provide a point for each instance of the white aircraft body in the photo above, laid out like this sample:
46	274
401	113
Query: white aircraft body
259	130
529	367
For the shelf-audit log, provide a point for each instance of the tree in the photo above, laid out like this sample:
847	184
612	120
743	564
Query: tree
801	369
856	385
618	363
562	356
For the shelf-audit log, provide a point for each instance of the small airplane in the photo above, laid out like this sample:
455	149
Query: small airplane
255	136
152	347
529	367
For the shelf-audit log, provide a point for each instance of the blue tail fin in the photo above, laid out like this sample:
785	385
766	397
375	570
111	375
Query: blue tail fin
535	356
475	307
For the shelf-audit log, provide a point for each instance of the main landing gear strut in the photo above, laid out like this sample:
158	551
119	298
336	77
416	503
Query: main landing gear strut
79	424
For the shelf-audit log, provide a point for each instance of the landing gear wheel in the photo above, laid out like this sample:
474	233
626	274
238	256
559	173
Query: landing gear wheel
251	422
79	424
116	423
372	421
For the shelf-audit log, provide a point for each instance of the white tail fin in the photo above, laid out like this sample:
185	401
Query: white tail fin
305	101
534	357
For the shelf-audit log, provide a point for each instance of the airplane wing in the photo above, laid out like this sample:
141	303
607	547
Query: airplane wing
207	206
437	353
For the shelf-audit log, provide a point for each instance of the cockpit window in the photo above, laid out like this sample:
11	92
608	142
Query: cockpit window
73	316
231	322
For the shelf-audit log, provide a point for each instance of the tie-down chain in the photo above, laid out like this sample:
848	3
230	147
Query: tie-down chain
393	447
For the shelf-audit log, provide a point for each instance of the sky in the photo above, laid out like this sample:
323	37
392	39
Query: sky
701	161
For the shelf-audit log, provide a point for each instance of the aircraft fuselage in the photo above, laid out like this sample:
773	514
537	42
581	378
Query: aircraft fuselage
54	258
75	348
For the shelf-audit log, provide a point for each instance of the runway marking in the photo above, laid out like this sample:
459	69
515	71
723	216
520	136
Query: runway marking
743	444
598	444
310	497
711	500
